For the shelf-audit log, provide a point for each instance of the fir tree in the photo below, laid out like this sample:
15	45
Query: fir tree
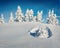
27	15
52	19
19	14
11	20
2	19
39	16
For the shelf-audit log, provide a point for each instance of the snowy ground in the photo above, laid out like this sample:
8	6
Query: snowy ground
17	36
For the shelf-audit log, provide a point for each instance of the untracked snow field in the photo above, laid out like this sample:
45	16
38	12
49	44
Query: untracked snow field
16	35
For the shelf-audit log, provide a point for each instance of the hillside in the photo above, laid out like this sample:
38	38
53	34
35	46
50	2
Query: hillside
16	35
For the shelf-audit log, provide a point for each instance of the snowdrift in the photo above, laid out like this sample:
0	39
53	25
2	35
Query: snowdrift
17	35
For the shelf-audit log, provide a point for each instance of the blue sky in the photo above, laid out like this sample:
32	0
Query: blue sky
6	6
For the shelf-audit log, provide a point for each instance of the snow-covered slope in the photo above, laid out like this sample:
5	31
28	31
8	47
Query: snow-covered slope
17	35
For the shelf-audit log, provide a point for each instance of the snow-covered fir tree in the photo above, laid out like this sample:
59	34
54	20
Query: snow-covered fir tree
2	19
49	16
11	20
27	15
31	15
39	16
56	20
52	19
19	15
35	19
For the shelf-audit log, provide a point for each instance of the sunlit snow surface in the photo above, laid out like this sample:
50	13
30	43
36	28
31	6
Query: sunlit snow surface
17	35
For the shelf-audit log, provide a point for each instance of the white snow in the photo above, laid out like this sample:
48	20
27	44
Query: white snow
33	30
16	35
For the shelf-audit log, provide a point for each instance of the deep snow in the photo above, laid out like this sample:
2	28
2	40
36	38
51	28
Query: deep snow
16	35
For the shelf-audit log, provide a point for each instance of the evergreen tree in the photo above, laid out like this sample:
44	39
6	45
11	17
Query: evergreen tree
52	19
11	20
49	15
19	14
31	15
2	19
39	16
34	19
27	15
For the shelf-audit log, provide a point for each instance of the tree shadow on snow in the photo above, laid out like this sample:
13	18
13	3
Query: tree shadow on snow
49	32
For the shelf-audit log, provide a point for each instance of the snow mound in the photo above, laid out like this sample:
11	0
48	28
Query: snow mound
35	32
41	32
